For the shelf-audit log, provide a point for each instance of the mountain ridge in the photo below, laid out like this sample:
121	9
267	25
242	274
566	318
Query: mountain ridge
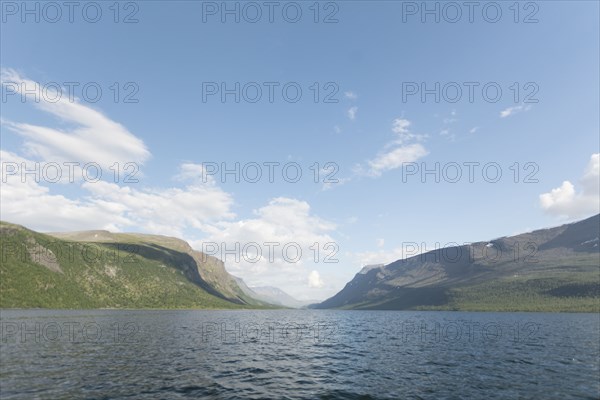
525	272
100	269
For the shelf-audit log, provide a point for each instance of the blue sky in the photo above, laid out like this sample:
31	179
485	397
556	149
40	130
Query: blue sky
366	62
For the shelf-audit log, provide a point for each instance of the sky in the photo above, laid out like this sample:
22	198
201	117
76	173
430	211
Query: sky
300	141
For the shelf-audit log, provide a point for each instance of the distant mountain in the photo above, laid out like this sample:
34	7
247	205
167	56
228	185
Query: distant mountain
251	293
556	269
277	296
97	269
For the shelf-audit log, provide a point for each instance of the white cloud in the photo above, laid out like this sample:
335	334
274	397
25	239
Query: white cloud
93	137
474	129
402	149
314	280
396	158
283	222
337	129
566	201
590	177
400	126
352	113
514	110
109	206
195	173
351	95
166	211
26	202
380	242
403	134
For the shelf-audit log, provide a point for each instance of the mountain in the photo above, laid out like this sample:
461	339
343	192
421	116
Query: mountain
246	290
277	296
555	269
98	269
272	295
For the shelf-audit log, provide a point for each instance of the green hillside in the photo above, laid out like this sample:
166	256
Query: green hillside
135	271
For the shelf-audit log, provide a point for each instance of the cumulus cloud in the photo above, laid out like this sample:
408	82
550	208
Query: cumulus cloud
314	280
351	95
195	173
166	210
283	220
104	205
264	249
567	201
27	202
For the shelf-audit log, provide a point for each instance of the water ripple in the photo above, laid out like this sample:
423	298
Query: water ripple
369	355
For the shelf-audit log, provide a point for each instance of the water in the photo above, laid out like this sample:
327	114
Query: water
107	354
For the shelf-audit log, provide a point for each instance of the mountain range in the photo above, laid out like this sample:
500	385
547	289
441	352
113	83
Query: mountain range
555	269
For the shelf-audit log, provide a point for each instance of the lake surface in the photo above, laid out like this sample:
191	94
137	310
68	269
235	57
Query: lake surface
282	354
